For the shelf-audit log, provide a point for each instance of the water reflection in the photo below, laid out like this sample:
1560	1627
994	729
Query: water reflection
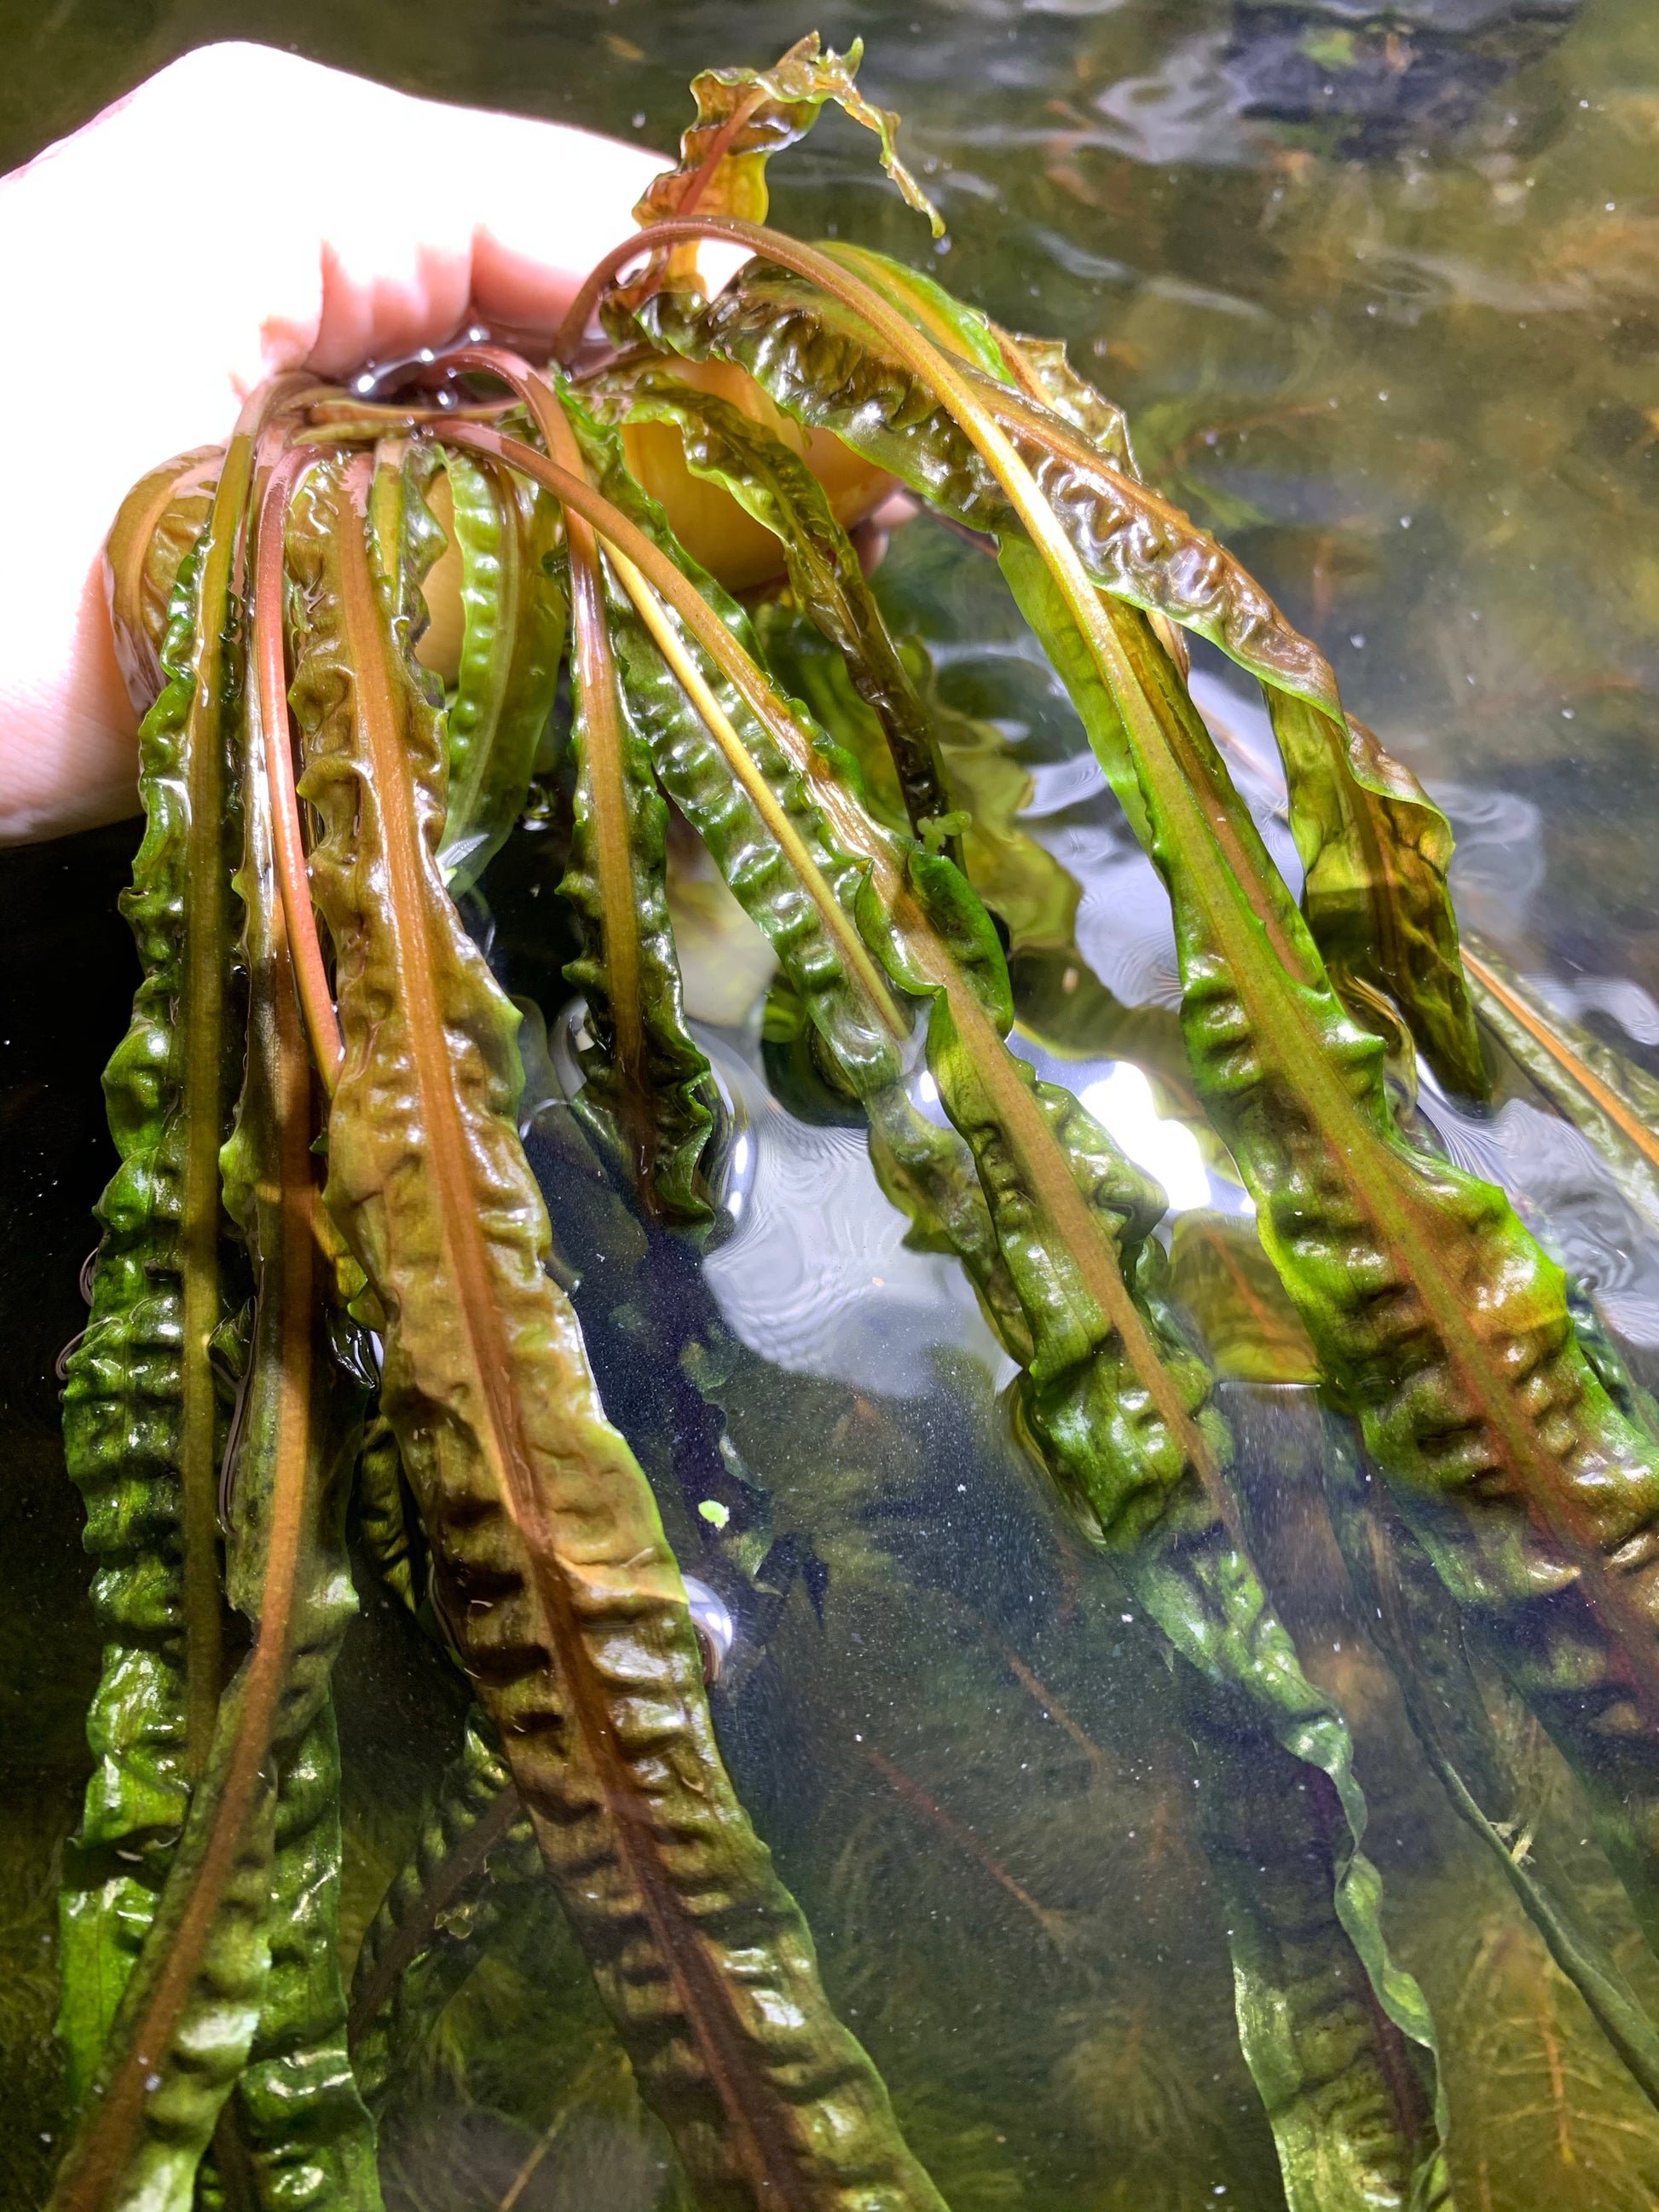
815	1275
1562	1190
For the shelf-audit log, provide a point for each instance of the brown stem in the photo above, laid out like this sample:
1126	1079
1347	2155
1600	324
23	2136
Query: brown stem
207	879
415	1931
270	695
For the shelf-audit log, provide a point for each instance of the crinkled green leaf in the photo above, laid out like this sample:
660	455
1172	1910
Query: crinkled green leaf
200	1996
1433	1312
817	361
745	116
552	1569
928	1173
1038	367
512	642
1042	367
121	1429
189	2006
1374	849
144	1421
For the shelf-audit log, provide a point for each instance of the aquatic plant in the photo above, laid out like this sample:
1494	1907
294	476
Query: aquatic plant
327	1285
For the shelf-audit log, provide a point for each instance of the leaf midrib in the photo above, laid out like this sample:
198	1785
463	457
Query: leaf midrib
703	1996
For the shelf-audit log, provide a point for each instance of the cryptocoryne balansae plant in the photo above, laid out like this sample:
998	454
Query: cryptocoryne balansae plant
326	1285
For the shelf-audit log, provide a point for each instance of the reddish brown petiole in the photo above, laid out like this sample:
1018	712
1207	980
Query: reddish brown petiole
271	695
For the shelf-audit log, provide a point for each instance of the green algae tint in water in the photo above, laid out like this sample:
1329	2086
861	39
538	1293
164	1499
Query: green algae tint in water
1381	303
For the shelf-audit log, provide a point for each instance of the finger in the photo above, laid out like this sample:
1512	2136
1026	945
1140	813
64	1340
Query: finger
496	216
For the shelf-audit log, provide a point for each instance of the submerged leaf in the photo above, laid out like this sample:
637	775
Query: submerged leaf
1411	1617
1346	2104
1040	599
553	1572
1222	1276
1069	1012
1120	1410
1433	1312
445	1905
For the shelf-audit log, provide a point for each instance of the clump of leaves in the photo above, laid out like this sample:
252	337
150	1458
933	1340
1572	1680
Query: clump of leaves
325	1215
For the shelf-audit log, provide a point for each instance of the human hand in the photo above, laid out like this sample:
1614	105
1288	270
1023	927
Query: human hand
240	213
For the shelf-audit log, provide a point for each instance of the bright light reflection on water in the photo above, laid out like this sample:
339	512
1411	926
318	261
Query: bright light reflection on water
1122	1104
